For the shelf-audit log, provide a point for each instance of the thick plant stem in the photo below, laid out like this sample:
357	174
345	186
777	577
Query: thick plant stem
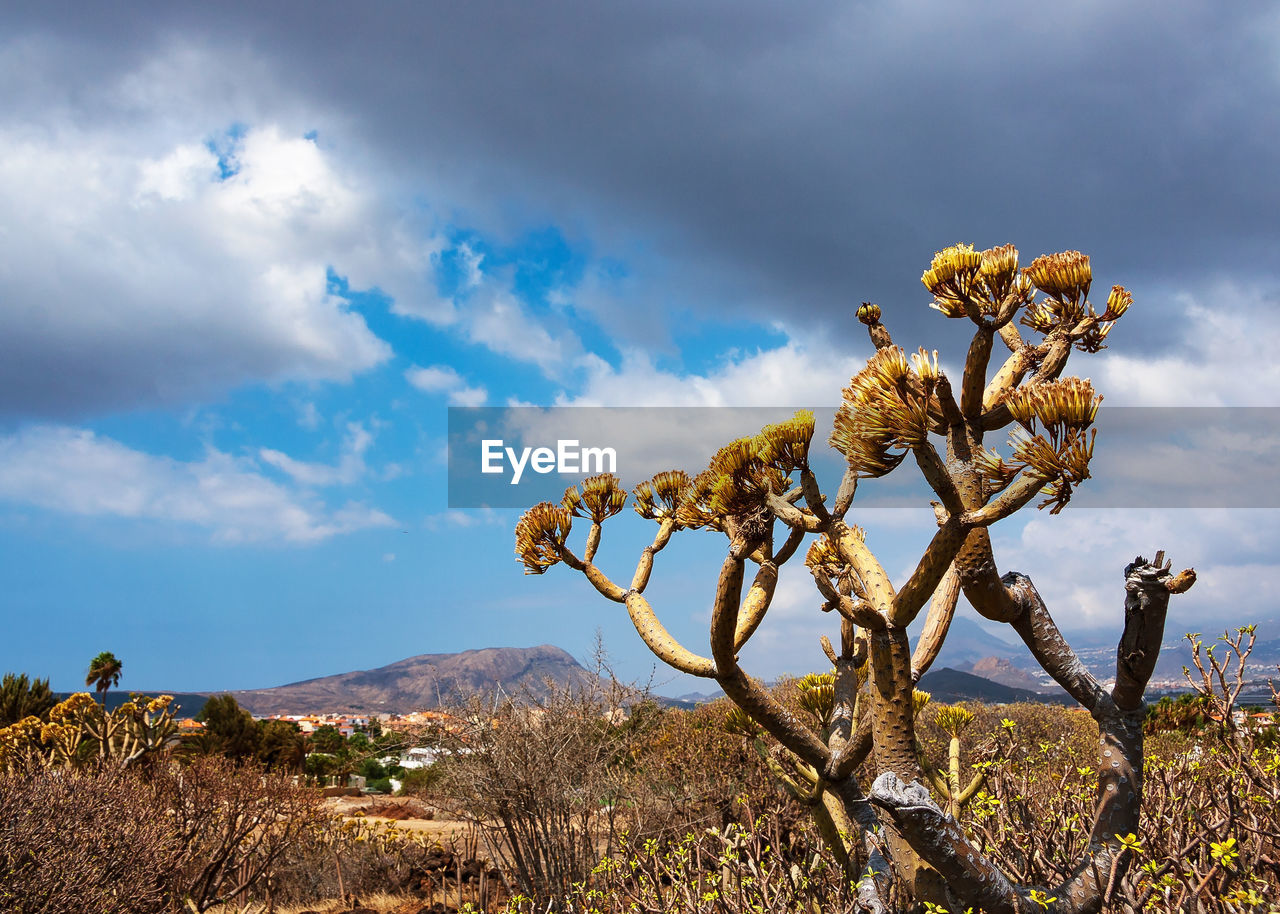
744	691
938	840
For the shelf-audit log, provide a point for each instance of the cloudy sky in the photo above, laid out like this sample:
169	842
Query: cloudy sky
250	254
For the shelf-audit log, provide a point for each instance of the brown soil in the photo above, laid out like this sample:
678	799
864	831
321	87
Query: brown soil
408	812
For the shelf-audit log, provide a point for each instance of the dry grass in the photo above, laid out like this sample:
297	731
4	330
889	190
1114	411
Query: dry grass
382	902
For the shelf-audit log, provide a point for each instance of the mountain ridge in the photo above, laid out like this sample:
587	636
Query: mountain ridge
420	682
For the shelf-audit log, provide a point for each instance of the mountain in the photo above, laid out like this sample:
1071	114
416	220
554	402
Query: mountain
425	681
948	685
968	642
997	669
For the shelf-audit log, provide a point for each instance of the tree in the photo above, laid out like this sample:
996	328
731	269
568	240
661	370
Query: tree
328	740
230	729
282	746
763	496
104	673
21	698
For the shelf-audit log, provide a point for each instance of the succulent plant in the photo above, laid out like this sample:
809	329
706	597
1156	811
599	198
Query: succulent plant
761	494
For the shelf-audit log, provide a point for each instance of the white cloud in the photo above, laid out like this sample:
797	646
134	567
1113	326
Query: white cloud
487	312
349	468
471	261
496	319
1077	561
78	472
309	416
1226	356
656	419
474	517
443	379
801	372
178	176
135	273
150	279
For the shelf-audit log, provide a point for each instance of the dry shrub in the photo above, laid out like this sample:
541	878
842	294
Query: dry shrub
546	780
83	840
398	811
559	783
237	824
160	838
694	774
355	857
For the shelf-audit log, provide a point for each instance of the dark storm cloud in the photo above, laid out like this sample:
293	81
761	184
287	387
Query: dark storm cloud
801	157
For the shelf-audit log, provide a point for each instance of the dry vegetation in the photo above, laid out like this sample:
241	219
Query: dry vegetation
666	810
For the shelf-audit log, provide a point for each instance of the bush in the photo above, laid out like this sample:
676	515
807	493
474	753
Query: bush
111	839
84	840
416	781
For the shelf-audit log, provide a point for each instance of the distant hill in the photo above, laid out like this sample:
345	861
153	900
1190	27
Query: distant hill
997	669
968	642
425	681
948	685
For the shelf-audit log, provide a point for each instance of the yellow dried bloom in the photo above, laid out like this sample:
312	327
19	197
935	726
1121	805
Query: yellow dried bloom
952	278
822	554
601	497
1090	335
695	511
1066	276
926	366
72	707
735	457
1043	316
1066	279
991	465
539	535
662	495
1067	404
825	560
785	445
885	406
953	719
741	481
23	736
1064	461
999	271
1118	303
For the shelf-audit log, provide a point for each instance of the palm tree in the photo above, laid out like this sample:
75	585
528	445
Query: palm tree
104	672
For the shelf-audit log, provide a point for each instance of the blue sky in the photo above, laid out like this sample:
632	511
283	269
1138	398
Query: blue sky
251	256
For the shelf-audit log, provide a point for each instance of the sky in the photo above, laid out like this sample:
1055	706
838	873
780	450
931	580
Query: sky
251	254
